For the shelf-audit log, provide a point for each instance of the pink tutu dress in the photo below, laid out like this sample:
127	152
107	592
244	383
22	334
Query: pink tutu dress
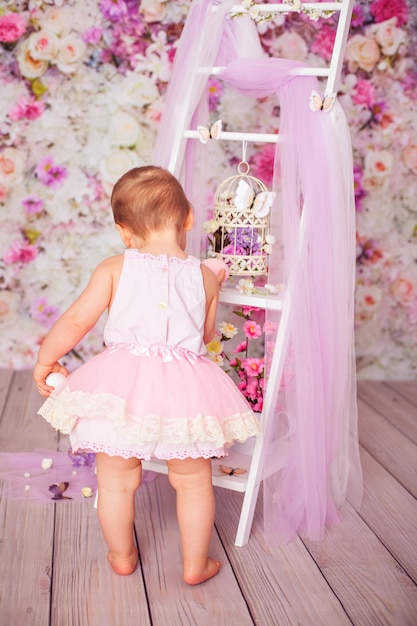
152	392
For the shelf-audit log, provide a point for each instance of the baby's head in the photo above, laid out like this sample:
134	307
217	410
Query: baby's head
149	198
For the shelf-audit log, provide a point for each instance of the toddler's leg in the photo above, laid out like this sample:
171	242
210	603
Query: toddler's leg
191	479
117	481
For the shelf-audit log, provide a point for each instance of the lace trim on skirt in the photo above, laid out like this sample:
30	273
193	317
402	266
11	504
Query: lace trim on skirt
63	411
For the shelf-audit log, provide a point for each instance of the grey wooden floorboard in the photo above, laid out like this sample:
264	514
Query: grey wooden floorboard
26	548
218	601
284	587
85	590
399	457
395	407
53	569
373	588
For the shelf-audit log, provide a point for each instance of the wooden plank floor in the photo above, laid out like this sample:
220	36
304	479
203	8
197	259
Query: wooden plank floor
53	569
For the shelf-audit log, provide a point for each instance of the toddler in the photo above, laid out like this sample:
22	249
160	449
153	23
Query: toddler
151	392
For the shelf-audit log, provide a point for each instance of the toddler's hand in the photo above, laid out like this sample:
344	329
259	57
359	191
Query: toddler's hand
40	373
218	267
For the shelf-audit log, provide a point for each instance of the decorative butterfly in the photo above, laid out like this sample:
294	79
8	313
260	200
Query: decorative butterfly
322	102
212	131
232	471
57	489
246	198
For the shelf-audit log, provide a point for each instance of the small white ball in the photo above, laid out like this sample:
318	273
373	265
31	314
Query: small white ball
56	380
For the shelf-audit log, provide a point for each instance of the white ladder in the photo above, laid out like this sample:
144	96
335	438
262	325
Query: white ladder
241	455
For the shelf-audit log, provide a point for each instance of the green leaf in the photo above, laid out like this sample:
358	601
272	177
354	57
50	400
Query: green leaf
38	88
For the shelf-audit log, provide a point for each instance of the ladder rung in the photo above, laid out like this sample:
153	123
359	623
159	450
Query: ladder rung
299	71
287	8
261	137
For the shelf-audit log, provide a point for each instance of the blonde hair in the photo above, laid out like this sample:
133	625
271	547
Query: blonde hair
149	198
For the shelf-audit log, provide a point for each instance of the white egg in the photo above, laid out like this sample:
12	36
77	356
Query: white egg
56	380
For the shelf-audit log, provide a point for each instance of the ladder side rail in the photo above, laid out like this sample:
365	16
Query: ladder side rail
256	466
270	400
179	144
336	62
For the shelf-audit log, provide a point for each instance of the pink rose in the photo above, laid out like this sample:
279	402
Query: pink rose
20	252
403	290
25	108
383	10
12	27
364	93
324	42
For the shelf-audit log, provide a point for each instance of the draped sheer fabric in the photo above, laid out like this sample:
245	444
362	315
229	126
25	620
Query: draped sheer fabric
314	408
208	39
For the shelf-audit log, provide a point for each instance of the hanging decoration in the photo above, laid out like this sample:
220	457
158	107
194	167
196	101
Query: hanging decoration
239	230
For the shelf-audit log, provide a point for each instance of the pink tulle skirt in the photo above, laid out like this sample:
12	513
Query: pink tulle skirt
148	402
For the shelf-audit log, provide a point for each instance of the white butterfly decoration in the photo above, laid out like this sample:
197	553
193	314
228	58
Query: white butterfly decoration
212	131
322	102
246	198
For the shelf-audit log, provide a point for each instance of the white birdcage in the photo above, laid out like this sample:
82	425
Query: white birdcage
239	229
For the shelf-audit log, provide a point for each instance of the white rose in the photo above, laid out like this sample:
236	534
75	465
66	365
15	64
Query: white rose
289	46
378	165
9	306
136	89
388	36
152	10
43	45
28	66
12	165
124	130
362	52
58	20
71	53
117	163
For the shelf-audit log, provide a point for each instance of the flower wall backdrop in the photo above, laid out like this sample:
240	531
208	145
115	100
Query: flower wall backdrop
82	88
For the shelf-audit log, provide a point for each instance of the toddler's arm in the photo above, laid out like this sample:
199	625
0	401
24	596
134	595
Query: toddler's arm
74	324
212	288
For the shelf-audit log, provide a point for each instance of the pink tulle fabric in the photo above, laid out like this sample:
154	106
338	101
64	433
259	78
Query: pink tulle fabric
150	401
208	39
24	478
314	222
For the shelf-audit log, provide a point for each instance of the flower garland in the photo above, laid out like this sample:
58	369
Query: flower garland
244	363
256	14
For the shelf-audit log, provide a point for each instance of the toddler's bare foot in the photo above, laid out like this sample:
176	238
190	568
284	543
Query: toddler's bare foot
211	568
124	566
